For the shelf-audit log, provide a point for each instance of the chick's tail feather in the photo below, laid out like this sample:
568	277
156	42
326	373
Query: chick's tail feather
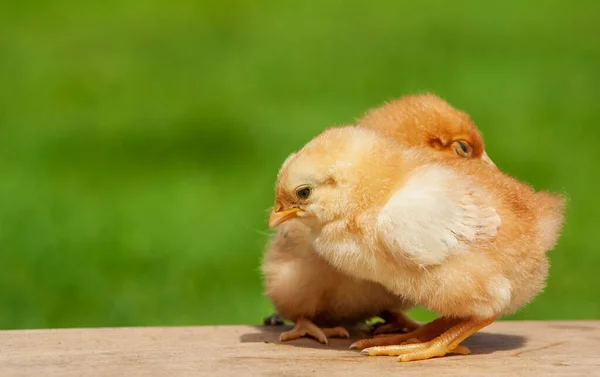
551	208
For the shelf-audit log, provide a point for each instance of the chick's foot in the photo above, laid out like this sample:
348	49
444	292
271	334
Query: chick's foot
396	322
448	342
423	333
305	327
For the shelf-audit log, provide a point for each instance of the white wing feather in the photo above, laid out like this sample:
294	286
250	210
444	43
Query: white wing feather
436	213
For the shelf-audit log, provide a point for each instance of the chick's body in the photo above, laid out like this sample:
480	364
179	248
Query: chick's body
490	266
307	289
457	237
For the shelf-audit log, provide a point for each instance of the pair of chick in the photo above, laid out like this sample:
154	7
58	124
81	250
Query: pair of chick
307	289
456	236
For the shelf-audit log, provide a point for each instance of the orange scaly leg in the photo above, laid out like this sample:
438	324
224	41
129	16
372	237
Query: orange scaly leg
447	342
305	327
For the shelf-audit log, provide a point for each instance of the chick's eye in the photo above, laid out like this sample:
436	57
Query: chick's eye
303	193
462	148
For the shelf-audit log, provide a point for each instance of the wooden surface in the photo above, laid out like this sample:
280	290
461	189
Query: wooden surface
504	348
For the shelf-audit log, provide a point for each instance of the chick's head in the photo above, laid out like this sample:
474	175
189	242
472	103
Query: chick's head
429	121
318	184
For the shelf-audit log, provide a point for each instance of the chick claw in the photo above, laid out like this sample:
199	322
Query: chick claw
305	327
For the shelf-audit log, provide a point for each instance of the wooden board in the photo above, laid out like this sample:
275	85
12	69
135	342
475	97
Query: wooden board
570	348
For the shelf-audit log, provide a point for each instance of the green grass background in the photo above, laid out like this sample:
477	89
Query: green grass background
140	140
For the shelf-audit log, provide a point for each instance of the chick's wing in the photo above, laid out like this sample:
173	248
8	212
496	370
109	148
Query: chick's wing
437	212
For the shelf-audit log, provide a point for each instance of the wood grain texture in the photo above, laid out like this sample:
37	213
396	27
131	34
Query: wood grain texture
512	348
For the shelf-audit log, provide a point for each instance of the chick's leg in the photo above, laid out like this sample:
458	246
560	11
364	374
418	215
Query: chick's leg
448	342
395	322
305	327
423	333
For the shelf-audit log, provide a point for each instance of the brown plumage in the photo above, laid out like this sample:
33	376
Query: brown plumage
427	120
304	287
455	236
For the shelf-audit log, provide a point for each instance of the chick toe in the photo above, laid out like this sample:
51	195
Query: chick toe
306	327
429	352
381	340
414	351
336	332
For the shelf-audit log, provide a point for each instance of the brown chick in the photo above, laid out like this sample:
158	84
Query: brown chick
429	121
305	288
454	236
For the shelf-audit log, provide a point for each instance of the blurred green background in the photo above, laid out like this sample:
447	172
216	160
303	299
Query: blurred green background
140	140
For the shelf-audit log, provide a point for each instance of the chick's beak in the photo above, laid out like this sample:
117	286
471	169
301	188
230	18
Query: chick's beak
487	159
279	215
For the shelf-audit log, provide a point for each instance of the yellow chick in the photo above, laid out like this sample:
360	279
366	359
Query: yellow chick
305	288
454	236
